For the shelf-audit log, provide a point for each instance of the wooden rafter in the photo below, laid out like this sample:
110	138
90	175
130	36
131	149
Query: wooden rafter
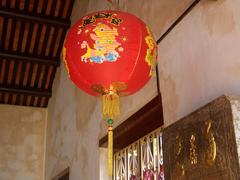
31	92
31	38
36	18
47	61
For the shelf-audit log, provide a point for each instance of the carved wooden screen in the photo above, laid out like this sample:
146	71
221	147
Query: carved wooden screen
141	160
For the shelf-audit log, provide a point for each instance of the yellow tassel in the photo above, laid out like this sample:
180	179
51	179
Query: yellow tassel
110	107
110	152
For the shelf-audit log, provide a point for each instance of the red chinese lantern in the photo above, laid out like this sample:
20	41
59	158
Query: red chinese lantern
110	54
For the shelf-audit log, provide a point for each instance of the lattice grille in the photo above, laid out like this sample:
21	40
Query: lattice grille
141	160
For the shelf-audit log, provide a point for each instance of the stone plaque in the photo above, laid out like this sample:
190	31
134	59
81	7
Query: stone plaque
203	145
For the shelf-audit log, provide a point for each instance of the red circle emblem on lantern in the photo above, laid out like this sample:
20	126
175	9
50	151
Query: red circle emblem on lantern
110	48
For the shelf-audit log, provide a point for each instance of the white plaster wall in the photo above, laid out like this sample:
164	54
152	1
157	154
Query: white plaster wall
22	143
199	60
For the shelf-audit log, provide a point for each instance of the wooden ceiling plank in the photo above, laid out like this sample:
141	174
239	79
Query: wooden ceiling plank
44	7
16	36
41	40
38	73
61	42
47	50
8	4
38	36
35	101
30	6
40	6
60	13
34	37
29	37
12	35
18	76
6	73
2	72
14	74
4	32
70	7
17	5
53	42
30	74
1	29
8	33
24	100
35	6
17	99
33	79
26	4
42	74
10	99
26	75
37	18
45	41
28	100
5	100
42	101
48	9
47	61
10	73
26	91
44	79
53	7
32	101
1	64
57	8
2	98
22	74
45	104
3	3
14	97
20	40
13	4
21	99
39	101
57	44
25	37
52	78
48	77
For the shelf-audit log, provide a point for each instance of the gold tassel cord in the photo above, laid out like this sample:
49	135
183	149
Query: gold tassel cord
110	151
110	109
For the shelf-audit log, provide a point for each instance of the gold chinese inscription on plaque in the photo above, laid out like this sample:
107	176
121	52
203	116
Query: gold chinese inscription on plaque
178	154
211	151
193	150
194	153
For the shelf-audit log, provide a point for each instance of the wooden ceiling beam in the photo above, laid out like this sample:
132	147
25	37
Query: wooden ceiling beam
47	61
36	18
31	92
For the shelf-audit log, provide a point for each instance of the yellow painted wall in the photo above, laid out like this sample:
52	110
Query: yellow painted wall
22	143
